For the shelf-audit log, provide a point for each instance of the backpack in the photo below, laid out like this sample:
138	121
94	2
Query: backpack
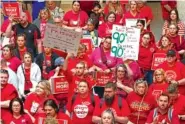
91	97
170	113
120	97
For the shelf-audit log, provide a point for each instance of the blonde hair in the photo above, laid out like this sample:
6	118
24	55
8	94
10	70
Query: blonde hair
160	70
47	86
47	11
118	8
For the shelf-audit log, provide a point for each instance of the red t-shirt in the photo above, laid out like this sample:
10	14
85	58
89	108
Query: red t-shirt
179	106
123	112
34	103
28	83
128	15
156	89
176	72
176	42
13	63
134	102
7	93
75	19
105	29
46	63
82	109
166	13
62	119
21	52
24	119
163	118
146	56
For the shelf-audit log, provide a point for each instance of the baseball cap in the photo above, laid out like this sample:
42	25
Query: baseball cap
171	53
59	61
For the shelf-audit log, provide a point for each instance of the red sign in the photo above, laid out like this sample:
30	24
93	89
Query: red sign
88	44
102	78
158	58
60	52
11	9
42	120
59	85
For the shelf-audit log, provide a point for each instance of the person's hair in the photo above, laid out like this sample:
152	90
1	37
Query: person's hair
96	4
21	35
84	81
141	21
3	71
47	86
82	47
20	102
51	103
82	63
110	13
46	10
177	14
28	53
164	94
111	85
109	111
125	69
172	88
161	71
50	120
132	1
140	81
118	8
11	48
160	41
78	1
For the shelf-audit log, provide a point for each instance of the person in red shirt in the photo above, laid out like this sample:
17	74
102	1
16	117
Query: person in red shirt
140	102
17	114
75	18
8	92
164	44
21	47
51	110
116	103
167	6
146	50
35	100
159	85
163	114
12	61
82	104
145	12
177	101
174	70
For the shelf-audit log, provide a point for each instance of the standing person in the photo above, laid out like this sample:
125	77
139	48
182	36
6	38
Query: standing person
28	74
17	114
75	19
163	114
116	103
51	110
31	31
107	117
176	101
167	6
82	104
140	102
174	70
8	92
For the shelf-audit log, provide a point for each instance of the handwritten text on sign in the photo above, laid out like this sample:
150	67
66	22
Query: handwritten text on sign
125	42
61	38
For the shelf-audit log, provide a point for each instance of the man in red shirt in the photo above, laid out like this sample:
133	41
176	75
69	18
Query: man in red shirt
177	101
116	103
174	70
163	114
8	92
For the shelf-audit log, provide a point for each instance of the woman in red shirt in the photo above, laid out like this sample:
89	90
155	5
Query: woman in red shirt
17	114
82	105
164	44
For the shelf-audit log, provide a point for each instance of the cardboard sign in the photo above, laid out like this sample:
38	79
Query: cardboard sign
59	85
41	120
102	78
88	44
133	23
61	38
158	58
125	42
11	9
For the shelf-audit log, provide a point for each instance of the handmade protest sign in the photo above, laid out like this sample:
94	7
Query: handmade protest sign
88	44
125	42
59	85
102	78
11	9
60	38
158	58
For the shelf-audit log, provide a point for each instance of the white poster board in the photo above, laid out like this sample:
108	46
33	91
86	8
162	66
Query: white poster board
61	38
132	23
125	42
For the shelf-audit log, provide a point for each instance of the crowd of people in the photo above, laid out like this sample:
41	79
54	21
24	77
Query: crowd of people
134	93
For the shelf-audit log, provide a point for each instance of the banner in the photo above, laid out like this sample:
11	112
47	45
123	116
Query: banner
102	78
88	44
158	58
60	38
59	85
133	23
125	42
11	9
